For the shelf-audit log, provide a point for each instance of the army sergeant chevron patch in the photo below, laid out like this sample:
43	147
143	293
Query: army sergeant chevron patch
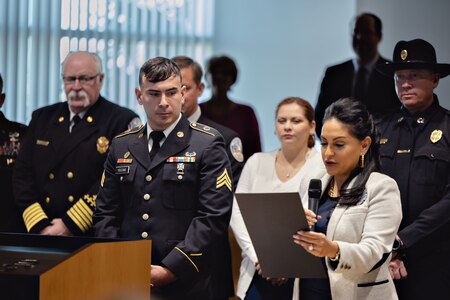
224	179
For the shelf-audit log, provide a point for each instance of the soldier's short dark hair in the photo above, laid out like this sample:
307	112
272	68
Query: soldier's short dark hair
158	69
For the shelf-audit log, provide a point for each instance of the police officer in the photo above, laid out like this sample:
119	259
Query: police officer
191	73
11	135
57	173
415	151
179	195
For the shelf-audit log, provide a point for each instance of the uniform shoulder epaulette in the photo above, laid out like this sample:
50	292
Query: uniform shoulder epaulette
131	131
204	128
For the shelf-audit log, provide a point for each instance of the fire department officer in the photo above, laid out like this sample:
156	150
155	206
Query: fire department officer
11	135
415	151
58	171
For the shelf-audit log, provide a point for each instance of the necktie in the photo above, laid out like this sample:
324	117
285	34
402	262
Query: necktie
156	136
360	84
75	121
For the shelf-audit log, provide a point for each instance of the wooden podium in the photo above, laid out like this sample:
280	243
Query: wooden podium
51	267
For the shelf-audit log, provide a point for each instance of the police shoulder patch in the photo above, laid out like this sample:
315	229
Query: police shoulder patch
236	149
204	128
128	132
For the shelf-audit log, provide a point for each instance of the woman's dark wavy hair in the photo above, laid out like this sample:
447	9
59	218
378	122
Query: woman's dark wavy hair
359	121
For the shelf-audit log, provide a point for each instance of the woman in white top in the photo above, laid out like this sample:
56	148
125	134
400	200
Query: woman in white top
288	169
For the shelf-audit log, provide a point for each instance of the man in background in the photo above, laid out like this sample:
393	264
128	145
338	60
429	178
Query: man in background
191	74
358	77
11	135
57	174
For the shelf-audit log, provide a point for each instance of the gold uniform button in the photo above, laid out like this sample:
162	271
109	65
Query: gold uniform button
146	197
47	200
69	175
51	176
148	178
145	217
70	198
144	235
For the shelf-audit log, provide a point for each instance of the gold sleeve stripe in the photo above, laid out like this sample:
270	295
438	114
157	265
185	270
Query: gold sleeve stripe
102	182
195	266
84	215
79	221
81	215
32	215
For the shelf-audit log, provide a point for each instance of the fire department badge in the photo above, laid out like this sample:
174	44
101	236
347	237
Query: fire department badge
102	145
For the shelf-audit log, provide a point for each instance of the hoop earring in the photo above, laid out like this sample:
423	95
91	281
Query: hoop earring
361	162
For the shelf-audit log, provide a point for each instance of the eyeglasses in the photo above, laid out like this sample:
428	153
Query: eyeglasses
411	77
83	79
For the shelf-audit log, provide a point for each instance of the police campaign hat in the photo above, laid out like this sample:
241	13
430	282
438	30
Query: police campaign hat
414	54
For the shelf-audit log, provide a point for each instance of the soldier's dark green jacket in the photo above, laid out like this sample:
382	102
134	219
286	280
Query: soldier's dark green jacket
181	201
57	173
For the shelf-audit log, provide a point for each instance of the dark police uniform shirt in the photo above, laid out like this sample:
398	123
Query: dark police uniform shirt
57	173
11	136
415	151
181	200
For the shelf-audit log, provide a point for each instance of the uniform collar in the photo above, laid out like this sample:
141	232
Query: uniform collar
196	115
421	118
166	131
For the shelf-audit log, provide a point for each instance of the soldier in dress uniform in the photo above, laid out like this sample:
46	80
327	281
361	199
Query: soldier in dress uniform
415	151
191	74
11	135
58	171
179	195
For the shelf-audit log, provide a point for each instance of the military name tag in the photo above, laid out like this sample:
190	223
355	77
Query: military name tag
42	143
122	170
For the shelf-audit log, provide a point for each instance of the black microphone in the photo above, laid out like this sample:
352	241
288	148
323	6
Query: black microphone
314	192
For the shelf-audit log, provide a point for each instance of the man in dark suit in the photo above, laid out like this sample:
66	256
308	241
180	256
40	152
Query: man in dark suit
191	74
11	135
179	195
58	171
358	77
415	151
